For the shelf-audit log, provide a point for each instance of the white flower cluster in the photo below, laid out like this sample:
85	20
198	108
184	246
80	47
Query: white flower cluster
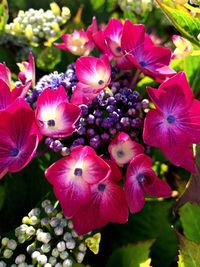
51	241
138	7
39	25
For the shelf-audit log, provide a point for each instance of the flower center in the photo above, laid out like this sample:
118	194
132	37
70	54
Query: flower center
118	49
101	187
120	153
143	64
100	82
14	152
140	178
171	119
78	172
51	123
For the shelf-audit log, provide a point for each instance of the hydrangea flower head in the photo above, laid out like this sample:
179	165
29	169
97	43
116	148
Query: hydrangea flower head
138	47
72	177
141	180
122	149
94	75
19	137
175	121
55	116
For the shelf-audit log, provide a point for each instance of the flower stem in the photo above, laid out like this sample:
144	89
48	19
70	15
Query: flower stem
135	77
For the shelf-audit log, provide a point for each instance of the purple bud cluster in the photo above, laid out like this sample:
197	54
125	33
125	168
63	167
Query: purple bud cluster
112	111
68	80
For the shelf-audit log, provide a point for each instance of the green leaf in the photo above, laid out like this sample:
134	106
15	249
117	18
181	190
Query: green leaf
48	58
136	255
190	219
191	193
182	19
3	14
189	254
153	222
192	70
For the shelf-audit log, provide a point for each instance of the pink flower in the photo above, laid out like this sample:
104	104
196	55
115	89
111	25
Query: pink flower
19	137
5	74
122	149
151	59
107	204
55	116
94	75
7	96
27	70
174	125
78	43
141	179
73	176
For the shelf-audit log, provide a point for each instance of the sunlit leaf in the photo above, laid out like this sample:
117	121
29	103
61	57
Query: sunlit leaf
136	255
3	14
48	58
189	254
192	70
182	19
190	219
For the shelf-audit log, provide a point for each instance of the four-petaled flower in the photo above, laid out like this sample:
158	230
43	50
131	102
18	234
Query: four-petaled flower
19	137
55	116
140	180
94	75
151	59
122	149
174	125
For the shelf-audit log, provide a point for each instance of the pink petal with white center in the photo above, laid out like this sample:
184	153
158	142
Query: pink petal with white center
83	94
5	74
54	115
27	70
72	176
122	149
108	204
94	72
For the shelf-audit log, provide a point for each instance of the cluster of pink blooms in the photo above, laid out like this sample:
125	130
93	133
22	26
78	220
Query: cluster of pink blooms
89	186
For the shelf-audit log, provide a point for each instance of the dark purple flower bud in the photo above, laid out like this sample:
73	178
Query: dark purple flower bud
105	136
56	146
91	132
112	131
91	119
83	121
98	121
97	113
84	109
95	141
65	151
107	122
111	100
145	103
131	111
48	141
125	121
110	108
81	130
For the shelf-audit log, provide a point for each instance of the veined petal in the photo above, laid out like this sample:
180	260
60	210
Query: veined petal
5	95
133	38
108	204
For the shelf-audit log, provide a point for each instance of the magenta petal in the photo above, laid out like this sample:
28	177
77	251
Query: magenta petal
108	204
5	95
134	196
99	40
133	38
158	188
5	74
116	174
20	91
123	63
73	197
25	154
83	94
